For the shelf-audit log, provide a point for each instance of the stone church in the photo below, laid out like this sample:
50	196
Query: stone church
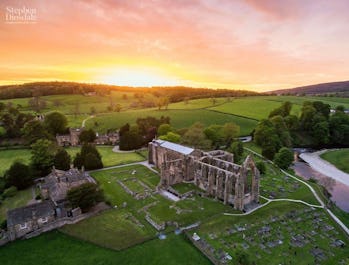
214	172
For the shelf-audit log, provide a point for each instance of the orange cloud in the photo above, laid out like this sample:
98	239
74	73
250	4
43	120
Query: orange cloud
249	44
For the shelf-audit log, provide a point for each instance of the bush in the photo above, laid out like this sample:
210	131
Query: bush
284	158
261	167
3	224
85	196
19	175
10	192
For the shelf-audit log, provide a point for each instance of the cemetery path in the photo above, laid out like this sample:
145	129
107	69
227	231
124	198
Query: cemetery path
334	217
326	168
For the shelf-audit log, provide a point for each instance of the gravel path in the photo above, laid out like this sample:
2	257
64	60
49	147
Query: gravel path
316	162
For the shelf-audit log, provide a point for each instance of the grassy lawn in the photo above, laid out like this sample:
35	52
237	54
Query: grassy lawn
285	220
20	199
110	158
113	229
179	119
197	103
55	248
339	158
185	187
7	157
262	106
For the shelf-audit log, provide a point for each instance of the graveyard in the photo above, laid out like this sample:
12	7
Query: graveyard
281	232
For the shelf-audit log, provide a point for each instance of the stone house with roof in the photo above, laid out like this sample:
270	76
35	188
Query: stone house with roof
55	206
23	220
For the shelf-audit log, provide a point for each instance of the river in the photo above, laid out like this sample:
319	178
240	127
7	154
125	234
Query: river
340	191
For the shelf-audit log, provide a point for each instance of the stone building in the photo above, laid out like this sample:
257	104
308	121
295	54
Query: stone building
72	139
23	220
214	172
54	208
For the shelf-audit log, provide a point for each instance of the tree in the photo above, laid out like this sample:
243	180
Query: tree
284	158
18	175
321	133
164	129
171	137
283	111
117	107
87	136
62	159
230	131
85	196
89	157
195	137
56	123
237	149
92	162
214	133
37	104
261	167
43	152
93	110
34	130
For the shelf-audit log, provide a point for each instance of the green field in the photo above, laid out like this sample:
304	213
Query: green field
109	158
20	199
179	119
252	107
286	221
55	248
113	229
339	158
197	103
7	157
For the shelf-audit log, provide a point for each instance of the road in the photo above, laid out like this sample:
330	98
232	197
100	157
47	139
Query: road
316	162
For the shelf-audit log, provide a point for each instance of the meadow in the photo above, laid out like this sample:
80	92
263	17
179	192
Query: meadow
179	119
339	158
56	248
109	158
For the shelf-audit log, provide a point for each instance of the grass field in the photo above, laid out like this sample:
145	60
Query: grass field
197	103
113	229
285	220
20	199
339	158
252	107
109	158
55	248
7	157
179	119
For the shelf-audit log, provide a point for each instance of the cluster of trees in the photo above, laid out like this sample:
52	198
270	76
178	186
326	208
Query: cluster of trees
16	124
88	157
315	127
174	94
324	129
137	135
85	196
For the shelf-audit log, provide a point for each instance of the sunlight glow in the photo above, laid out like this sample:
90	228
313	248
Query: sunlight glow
136	77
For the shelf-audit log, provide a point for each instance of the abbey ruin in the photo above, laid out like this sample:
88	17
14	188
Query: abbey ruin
214	172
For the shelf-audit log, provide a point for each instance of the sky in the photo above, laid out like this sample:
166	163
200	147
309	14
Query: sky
258	45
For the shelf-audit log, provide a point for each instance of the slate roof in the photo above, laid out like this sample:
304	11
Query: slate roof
58	182
30	212
175	147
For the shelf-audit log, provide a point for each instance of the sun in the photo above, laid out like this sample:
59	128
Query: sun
137	77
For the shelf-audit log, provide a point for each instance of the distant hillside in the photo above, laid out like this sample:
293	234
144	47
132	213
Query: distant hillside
324	88
174	94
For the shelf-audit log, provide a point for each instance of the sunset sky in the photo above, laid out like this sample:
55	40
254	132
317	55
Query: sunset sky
241	44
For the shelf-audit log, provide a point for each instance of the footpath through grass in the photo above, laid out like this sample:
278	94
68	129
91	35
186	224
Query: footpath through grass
339	158
55	248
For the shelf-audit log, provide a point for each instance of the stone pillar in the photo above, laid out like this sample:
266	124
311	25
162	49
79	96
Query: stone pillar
227	188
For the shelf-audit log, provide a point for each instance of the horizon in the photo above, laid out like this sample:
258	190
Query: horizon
247	45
